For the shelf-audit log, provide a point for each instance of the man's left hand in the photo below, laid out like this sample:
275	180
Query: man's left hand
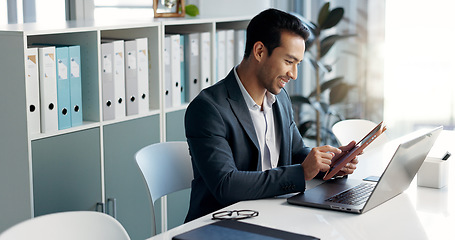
350	167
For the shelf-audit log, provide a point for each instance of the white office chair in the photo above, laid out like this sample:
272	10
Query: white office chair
87	225
355	129
166	168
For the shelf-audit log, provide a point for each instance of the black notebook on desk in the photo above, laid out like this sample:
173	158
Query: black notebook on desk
237	230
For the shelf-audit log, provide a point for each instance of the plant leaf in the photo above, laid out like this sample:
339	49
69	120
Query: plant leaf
327	85
309	43
328	67
339	92
299	99
305	127
192	10
333	18
328	42
313	62
325	107
321	107
323	14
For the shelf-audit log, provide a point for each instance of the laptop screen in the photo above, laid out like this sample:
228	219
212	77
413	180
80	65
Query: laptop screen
402	168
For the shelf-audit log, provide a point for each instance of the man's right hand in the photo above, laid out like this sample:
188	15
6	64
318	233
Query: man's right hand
318	160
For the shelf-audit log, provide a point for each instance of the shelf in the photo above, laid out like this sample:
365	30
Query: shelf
79	167
85	125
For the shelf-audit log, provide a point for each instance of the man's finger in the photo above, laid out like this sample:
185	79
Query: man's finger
328	148
348	147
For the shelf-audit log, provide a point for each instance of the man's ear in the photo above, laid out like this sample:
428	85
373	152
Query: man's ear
259	51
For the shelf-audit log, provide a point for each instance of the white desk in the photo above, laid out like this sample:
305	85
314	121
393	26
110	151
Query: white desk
418	213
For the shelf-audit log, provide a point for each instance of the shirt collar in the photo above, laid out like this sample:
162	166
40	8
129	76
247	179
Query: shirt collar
269	97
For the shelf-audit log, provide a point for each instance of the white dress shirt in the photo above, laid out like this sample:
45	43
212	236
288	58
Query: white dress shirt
269	137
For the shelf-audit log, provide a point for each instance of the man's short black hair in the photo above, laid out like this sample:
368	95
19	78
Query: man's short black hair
267	27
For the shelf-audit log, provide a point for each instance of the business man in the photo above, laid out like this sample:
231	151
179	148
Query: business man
241	134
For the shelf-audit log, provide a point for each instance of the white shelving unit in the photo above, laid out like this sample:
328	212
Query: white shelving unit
80	167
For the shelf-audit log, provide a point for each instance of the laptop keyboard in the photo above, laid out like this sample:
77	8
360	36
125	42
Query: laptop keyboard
353	196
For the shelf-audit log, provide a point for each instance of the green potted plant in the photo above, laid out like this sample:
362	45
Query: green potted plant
317	47
191	10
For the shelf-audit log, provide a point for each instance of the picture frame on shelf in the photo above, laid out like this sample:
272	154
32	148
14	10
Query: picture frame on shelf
169	8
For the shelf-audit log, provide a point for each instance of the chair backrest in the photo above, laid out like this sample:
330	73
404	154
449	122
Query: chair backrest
87	225
166	168
355	129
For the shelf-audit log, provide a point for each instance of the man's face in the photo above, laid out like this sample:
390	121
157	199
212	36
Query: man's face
279	68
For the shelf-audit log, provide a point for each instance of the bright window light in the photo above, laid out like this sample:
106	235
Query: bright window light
106	10
419	65
3	12
50	11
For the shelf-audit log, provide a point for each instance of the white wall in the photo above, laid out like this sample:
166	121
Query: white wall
217	8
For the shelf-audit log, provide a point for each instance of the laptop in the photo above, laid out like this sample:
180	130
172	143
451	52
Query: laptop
359	196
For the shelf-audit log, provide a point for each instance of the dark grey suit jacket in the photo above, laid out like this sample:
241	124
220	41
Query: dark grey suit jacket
225	150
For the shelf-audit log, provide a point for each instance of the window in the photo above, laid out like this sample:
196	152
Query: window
50	10
419	76
410	72
106	10
43	11
3	12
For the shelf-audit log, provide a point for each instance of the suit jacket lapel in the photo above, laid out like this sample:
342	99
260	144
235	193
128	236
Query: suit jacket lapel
242	113
240	108
282	118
